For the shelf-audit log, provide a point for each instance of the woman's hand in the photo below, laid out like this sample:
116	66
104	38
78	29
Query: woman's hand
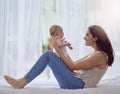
52	43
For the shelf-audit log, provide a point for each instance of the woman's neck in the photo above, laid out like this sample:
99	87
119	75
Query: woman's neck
95	47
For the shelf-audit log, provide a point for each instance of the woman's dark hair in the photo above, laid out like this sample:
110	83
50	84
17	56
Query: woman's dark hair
103	42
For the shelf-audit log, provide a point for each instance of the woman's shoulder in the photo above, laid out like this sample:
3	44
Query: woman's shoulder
101	53
98	56
102	58
96	53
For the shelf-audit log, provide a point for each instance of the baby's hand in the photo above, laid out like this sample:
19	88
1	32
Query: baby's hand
69	45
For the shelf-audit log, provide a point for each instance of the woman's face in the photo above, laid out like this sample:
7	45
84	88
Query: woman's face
89	39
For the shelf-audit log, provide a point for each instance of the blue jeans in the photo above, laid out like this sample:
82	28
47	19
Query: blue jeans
64	76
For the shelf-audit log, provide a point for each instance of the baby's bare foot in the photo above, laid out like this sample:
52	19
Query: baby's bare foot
15	83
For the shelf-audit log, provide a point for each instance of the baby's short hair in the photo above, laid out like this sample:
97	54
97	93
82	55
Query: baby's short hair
55	28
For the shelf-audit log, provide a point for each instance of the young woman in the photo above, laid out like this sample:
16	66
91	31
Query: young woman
85	72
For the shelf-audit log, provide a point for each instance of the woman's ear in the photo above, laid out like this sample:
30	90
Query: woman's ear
95	38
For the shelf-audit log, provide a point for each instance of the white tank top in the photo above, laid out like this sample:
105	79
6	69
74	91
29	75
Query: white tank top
91	76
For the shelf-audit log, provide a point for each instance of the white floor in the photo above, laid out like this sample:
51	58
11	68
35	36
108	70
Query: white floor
106	86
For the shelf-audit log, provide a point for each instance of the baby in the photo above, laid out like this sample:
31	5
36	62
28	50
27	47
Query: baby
57	33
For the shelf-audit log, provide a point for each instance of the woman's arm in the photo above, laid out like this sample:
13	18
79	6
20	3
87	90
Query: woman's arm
70	58
61	43
95	59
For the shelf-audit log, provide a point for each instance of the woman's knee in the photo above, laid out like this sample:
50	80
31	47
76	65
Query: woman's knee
49	53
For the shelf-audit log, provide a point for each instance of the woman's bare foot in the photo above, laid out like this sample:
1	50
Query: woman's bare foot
16	83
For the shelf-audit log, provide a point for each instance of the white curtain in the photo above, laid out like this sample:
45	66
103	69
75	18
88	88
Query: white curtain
20	35
76	16
71	16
